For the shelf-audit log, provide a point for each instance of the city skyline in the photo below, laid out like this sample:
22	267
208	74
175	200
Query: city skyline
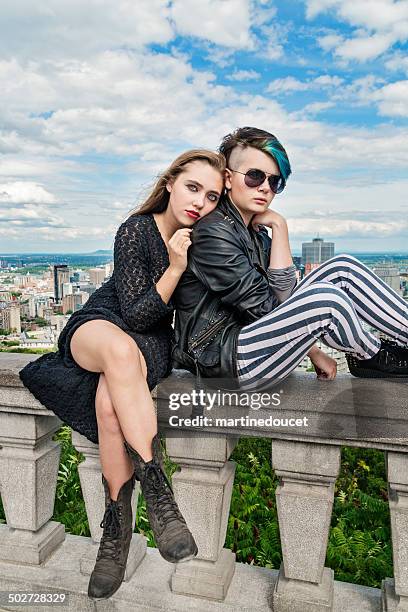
93	110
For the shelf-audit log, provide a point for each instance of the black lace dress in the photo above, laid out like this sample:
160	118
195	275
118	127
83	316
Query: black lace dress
128	299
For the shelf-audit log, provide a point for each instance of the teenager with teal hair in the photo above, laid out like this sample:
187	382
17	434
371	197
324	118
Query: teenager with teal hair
240	314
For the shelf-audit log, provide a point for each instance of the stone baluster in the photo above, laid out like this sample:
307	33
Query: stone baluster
203	489
395	592
94	497
29	461
304	500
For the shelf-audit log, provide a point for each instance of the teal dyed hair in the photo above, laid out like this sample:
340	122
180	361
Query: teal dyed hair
275	149
259	139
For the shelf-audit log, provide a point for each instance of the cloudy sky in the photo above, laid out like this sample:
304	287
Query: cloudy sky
98	96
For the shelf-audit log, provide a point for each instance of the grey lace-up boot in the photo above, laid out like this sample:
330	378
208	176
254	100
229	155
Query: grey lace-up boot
117	525
173	538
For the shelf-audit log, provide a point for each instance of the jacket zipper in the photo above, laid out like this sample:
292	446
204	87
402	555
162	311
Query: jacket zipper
208	333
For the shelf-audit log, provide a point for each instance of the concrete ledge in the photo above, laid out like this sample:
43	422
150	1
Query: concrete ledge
148	590
347	411
350	411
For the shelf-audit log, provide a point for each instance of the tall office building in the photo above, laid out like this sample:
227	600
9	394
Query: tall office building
61	276
316	252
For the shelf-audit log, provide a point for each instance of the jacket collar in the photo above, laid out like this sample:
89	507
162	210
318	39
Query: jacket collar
253	241
228	208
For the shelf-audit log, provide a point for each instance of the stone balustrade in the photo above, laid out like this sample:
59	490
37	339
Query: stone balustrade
37	554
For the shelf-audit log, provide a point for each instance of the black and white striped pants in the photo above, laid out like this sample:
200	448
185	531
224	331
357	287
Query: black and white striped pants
327	304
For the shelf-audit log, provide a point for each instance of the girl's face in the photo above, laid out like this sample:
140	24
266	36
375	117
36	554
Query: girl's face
250	200
194	193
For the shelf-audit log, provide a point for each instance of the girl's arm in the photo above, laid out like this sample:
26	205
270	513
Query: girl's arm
177	248
281	271
141	304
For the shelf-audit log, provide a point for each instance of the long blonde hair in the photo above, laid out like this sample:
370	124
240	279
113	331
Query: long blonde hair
158	200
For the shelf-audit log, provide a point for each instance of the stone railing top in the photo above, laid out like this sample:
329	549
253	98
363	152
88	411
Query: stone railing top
10	365
348	410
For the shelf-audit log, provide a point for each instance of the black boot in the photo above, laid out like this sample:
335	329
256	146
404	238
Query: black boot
113	551
391	361
173	538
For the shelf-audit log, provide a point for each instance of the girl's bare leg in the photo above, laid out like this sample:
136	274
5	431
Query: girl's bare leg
116	464
101	346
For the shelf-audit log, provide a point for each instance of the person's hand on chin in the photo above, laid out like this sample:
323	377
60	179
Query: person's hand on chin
269	218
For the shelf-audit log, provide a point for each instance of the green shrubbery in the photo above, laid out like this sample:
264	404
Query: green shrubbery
359	548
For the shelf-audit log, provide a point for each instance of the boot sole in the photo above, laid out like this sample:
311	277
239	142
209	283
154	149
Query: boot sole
105	596
182	560
374	374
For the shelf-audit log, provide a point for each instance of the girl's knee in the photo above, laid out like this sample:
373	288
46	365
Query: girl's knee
328	293
123	352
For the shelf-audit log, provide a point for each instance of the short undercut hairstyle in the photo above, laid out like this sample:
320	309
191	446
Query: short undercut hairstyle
258	139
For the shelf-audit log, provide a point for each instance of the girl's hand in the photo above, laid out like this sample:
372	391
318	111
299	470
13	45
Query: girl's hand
325	366
177	248
270	218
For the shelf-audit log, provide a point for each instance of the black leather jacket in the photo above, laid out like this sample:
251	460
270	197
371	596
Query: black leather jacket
224	287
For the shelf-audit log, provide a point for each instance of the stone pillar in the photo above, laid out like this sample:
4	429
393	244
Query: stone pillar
203	490
90	475
395	591
29	461
304	499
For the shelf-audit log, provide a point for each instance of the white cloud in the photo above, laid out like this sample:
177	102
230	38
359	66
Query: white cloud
25	192
326	80
350	228
116	102
314	108
364	48
244	75
358	215
379	24
393	99
80	28
224	23
286	85
290	84
328	42
102	119
398	62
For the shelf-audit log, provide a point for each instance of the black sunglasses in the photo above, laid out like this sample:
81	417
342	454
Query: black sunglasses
255	177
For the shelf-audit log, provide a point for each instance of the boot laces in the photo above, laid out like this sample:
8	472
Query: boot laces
111	531
394	355
160	493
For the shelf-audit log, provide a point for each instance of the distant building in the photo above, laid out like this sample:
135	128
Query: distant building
67	289
61	276
33	343
10	318
300	268
74	302
108	269
96	276
31	306
89	289
316	252
389	273
23	280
